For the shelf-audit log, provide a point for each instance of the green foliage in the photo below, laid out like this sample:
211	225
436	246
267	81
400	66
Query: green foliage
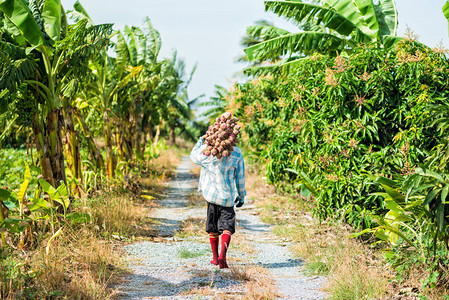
23	211
217	104
416	224
333	120
187	253
25	108
12	162
328	27
15	276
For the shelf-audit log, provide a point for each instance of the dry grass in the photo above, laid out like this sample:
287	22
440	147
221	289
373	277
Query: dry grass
240	243
152	188
257	282
195	199
209	291
194	226
206	288
244	272
114	213
257	189
81	264
260	285
196	171
85	261
201	291
165	164
354	270
78	266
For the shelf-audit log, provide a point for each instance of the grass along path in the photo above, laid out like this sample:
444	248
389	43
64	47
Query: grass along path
175	265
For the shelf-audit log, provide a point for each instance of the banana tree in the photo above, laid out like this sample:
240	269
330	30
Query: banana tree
41	27
332	26
143	47
102	90
172	93
217	104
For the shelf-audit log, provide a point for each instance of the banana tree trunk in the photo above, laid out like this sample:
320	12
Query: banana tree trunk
49	147
144	142
42	151
156	136
138	139
150	132
72	149
111	161
2	218
94	152
131	132
122	143
55	123
172	141
118	139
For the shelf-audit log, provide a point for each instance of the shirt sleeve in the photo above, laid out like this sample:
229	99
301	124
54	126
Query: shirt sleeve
199	158
240	179
197	155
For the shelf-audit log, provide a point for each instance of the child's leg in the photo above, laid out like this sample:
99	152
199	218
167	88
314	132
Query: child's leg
213	238
225	240
212	229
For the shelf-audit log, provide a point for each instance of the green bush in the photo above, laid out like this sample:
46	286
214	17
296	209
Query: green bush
328	121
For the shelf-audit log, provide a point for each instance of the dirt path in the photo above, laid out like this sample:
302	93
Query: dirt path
176	265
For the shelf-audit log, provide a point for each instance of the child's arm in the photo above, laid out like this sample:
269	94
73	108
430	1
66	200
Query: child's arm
240	180
199	158
197	155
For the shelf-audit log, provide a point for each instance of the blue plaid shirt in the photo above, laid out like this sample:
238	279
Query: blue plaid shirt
221	180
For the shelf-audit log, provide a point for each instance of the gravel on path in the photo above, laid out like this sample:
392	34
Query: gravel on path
179	268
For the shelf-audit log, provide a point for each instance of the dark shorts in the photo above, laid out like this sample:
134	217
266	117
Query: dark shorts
220	218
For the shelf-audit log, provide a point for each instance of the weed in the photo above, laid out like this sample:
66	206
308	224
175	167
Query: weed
186	253
240	242
195	199
193	226
260	285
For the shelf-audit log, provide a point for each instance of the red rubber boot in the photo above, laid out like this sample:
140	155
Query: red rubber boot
214	245
225	240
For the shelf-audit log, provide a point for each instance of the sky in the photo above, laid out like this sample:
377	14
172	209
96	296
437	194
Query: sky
208	32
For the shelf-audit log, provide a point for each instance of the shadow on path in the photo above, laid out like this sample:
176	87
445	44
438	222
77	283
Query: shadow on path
146	286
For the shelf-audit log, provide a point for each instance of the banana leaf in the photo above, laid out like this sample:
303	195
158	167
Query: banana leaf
51	15
80	13
295	43
348	9
20	15
154	40
368	16
446	11
299	12
387	16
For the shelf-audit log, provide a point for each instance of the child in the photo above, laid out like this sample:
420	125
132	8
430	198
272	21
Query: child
222	183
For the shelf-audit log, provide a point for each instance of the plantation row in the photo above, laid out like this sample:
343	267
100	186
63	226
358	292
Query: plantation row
354	120
68	85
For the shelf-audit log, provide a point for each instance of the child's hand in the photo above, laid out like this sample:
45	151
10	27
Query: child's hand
239	202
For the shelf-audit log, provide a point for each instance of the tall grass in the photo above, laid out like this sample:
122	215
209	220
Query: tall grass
85	261
82	262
